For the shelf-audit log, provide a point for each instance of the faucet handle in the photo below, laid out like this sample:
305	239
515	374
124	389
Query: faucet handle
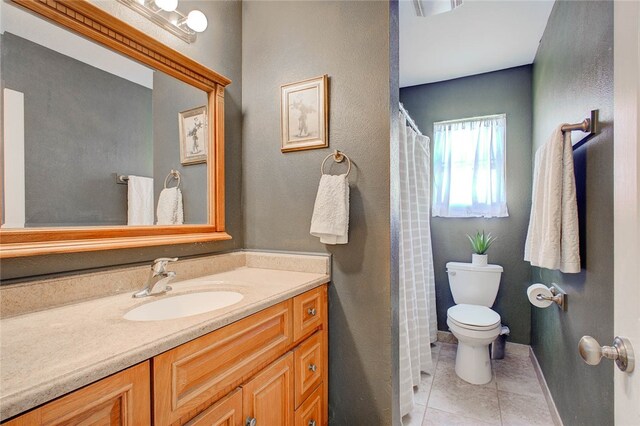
160	264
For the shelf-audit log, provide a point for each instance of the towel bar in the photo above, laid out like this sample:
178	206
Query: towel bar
338	157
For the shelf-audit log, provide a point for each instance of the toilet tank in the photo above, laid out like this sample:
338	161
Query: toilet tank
474	285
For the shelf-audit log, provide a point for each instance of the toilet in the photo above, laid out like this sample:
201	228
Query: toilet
472	320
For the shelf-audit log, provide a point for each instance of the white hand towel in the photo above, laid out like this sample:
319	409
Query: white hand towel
552	239
330	220
140	200
169	209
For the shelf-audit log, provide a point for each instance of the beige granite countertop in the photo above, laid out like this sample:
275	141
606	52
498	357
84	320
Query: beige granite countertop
49	353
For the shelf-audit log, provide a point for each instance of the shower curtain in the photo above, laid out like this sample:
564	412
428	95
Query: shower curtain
418	324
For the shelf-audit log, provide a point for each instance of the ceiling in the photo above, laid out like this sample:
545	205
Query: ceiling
479	36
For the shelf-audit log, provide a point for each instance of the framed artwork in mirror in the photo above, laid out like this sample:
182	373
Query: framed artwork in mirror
192	126
304	115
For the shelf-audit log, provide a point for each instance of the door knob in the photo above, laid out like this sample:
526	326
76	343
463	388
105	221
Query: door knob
621	351
251	421
311	311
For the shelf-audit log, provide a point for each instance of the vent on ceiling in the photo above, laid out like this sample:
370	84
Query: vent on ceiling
433	7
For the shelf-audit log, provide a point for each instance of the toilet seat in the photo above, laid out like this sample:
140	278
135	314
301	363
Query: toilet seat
473	317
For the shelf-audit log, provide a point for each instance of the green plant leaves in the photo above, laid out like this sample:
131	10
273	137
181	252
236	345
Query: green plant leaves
481	242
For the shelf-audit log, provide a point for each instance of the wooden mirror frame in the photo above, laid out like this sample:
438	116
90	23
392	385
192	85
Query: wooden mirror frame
88	20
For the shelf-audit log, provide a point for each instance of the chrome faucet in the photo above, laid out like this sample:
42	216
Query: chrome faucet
159	277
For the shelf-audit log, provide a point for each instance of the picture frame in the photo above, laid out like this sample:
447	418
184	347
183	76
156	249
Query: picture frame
192	126
304	114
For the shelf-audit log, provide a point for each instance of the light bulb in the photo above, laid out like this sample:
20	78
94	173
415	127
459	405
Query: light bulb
197	21
167	5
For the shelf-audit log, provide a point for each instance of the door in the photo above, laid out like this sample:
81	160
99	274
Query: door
268	397
627	203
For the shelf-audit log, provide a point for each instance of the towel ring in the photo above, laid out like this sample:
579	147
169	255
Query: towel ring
338	157
172	174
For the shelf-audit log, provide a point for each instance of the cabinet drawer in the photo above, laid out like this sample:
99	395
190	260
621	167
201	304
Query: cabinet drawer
309	312
310	412
121	399
197	373
309	366
227	412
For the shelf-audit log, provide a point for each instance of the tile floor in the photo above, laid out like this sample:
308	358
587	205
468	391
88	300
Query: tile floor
513	397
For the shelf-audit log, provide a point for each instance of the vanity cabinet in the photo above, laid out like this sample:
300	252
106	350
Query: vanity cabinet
275	360
120	399
270	366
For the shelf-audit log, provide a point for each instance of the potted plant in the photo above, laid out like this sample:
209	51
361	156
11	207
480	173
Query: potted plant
480	243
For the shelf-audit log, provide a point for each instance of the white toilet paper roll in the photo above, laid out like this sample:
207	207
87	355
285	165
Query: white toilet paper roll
536	289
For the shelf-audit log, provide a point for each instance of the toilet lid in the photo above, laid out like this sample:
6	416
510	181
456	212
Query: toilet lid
475	316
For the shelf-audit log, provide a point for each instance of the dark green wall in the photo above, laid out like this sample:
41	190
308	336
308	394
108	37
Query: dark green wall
170	97
507	91
71	147
572	74
284	42
219	48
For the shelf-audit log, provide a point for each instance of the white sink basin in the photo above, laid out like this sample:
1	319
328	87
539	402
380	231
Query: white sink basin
183	305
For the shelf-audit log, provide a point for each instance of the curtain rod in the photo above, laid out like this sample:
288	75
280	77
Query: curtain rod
410	121
460	120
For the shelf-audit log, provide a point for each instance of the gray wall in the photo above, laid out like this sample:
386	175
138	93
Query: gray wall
171	96
507	91
285	42
72	148
219	48
572	74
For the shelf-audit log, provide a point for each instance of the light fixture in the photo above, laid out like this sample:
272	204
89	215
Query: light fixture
165	13
197	21
434	7
167	5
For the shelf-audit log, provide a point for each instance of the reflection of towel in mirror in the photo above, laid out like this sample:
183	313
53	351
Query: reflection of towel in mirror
330	221
170	210
139	200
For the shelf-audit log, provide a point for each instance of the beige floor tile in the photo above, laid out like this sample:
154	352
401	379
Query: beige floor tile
451	394
517	349
435	417
448	349
516	374
435	350
421	394
414	418
524	410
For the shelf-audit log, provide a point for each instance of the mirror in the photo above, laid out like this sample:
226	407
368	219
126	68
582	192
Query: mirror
107	110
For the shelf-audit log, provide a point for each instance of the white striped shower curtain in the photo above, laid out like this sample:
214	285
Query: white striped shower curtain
418	324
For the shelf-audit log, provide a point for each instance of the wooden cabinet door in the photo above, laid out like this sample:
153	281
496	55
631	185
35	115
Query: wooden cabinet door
268	397
121	399
227	412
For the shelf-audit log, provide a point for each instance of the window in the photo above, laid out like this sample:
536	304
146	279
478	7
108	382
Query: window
469	167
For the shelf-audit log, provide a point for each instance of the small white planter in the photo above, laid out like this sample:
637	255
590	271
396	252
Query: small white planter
479	259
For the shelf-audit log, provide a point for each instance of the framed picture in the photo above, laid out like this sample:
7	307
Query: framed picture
192	125
304	115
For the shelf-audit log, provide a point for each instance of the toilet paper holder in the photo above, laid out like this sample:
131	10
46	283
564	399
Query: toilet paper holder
559	297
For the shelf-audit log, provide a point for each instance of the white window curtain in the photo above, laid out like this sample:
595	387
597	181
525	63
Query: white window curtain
469	167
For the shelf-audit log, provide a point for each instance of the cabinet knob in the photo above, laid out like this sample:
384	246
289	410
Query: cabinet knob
621	352
251	421
311	311
311	423
313	367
